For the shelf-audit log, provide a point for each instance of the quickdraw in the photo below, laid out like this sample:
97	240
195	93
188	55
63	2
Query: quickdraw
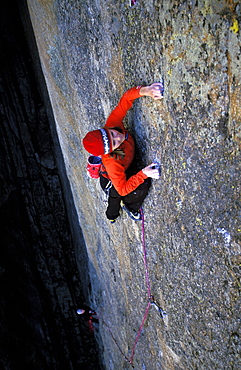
163	313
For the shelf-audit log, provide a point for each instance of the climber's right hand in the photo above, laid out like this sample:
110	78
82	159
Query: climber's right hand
151	171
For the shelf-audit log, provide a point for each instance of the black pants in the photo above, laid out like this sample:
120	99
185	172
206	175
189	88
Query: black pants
132	201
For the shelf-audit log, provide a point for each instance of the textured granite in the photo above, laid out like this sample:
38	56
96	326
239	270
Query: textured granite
91	52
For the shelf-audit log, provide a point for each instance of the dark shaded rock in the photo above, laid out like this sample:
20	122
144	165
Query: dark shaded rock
41	287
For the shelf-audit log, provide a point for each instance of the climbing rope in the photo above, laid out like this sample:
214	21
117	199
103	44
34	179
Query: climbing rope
147	284
150	300
144	252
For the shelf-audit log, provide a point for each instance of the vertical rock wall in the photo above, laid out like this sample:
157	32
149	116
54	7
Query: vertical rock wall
91	52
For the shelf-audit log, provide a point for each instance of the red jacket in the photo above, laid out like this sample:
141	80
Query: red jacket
116	168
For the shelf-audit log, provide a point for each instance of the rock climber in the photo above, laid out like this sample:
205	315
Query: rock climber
114	144
87	314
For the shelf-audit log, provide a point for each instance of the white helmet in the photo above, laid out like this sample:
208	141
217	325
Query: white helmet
80	311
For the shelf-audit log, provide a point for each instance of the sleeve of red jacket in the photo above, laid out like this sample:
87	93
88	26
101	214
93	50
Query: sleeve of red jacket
117	115
116	173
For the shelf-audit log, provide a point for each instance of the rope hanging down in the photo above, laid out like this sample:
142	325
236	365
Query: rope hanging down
147	284
150	300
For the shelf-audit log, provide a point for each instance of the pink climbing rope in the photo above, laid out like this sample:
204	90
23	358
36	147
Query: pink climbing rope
144	253
148	288
139	333
149	296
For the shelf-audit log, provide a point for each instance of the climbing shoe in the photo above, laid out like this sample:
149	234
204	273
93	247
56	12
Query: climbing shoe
113	221
136	216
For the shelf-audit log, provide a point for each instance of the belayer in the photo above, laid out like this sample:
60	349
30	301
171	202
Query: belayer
115	146
87	313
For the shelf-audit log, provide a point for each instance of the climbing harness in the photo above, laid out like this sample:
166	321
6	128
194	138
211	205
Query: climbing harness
151	301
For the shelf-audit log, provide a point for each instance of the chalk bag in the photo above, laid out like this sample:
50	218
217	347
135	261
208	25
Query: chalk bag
93	167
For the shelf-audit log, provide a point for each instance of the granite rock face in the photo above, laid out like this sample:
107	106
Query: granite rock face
91	52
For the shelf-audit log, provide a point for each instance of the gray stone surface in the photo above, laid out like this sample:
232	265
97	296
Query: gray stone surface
91	52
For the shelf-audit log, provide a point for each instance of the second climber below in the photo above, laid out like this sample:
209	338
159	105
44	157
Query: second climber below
114	144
